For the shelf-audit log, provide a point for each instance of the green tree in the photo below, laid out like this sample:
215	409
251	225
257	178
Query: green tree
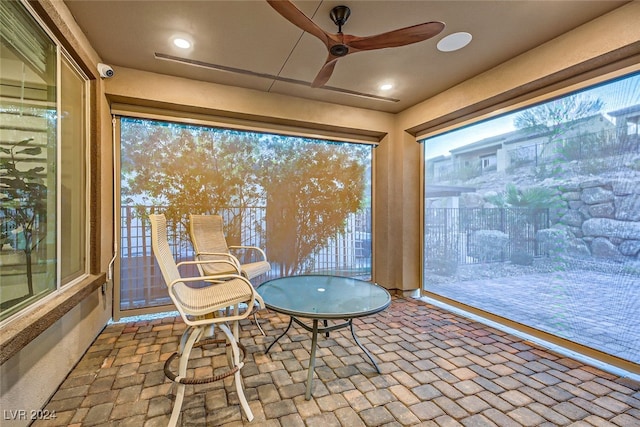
311	189
554	119
189	169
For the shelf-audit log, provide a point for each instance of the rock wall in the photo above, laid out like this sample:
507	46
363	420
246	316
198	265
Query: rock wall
603	214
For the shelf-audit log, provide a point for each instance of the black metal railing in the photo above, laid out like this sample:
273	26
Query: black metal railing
605	143
459	236
141	284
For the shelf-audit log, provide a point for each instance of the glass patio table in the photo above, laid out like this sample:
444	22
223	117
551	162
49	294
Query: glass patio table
322	297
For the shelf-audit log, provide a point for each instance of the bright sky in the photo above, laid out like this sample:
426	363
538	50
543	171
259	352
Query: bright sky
616	95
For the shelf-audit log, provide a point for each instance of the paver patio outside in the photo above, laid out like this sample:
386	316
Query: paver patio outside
596	309
438	369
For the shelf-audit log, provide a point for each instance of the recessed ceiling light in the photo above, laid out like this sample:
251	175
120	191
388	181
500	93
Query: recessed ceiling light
182	43
454	41
386	86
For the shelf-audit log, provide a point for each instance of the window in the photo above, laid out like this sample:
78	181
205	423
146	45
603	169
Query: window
547	236
73	173
488	162
43	155
307	202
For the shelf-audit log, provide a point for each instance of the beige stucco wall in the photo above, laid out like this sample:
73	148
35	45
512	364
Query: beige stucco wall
31	376
226	102
34	374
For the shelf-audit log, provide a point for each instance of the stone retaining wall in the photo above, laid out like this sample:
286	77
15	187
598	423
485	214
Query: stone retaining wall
600	216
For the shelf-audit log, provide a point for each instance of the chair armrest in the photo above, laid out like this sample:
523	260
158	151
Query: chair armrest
244	315
222	254
235	266
255	248
216	276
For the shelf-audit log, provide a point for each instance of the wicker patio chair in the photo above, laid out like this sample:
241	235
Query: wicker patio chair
207	237
203	309
209	243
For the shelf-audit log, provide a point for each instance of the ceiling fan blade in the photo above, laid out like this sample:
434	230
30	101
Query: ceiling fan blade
325	72
292	14
395	38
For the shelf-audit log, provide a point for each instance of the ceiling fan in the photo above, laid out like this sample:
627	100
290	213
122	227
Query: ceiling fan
340	45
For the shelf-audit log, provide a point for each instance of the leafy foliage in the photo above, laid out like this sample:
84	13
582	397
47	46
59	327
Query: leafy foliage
549	117
554	119
190	169
309	186
24	198
532	197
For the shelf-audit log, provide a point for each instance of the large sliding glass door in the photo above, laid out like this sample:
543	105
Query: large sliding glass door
534	217
307	202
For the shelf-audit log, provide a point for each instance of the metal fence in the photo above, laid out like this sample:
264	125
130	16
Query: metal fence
459	236
604	143
141	284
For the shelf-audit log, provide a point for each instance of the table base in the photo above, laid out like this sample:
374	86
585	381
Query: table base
315	329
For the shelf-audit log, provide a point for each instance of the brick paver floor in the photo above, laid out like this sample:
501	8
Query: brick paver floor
438	369
596	309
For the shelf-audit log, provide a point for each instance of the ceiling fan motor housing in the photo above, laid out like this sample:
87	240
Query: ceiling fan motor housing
339	50
339	16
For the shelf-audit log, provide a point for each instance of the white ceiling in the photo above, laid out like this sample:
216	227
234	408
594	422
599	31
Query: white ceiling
249	37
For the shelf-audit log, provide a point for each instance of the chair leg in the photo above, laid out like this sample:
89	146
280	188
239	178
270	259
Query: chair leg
186	345
236	334
261	305
236	323
260	301
237	378
255	319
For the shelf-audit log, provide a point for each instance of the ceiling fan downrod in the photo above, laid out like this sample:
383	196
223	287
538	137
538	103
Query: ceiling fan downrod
339	16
